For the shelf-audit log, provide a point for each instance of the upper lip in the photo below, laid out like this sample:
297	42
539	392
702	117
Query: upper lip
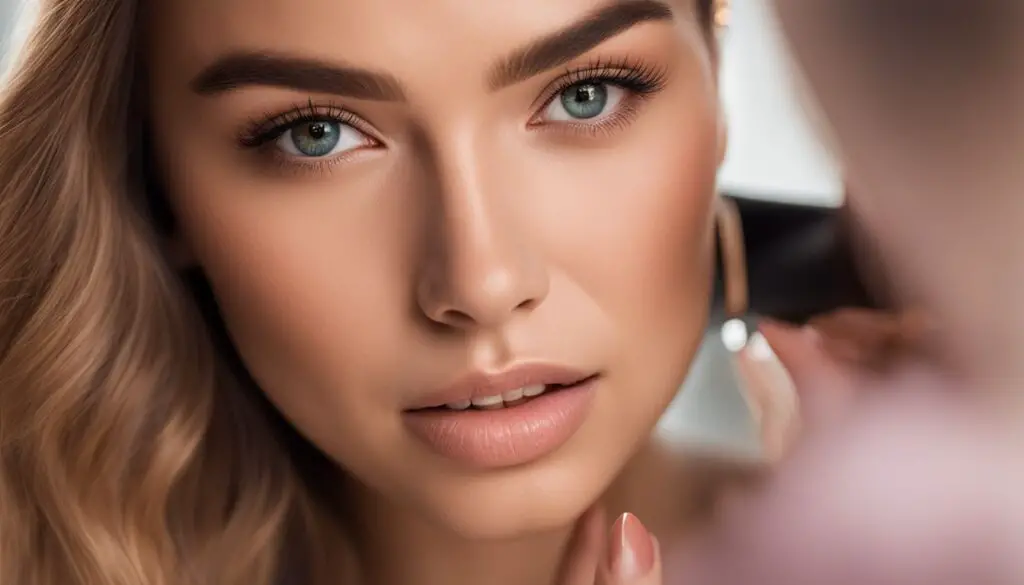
479	384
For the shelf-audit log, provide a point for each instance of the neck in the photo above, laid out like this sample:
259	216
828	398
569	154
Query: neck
396	546
393	545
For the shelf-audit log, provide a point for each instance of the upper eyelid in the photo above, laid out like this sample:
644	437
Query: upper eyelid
277	124
608	71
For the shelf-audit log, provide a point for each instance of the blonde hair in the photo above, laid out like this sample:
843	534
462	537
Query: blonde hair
130	452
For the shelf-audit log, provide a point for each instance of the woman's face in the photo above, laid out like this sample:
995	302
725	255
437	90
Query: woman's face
403	204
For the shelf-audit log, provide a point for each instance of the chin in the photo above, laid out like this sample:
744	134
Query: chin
544	496
513	511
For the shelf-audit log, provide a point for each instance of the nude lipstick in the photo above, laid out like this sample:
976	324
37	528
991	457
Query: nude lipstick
491	421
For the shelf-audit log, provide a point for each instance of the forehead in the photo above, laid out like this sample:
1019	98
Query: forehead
386	34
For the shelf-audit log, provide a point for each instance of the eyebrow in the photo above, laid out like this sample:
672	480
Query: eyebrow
246	69
242	69
576	39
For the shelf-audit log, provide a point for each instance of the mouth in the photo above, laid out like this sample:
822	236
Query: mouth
508	399
506	419
511	387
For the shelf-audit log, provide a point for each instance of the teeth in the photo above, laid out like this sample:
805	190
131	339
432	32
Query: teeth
512	395
499	401
535	390
486	401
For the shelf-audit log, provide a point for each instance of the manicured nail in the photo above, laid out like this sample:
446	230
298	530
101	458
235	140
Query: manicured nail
631	550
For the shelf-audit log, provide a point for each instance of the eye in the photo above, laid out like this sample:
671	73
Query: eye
320	138
585	101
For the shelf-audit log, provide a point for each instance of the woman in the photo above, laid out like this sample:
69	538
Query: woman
246	246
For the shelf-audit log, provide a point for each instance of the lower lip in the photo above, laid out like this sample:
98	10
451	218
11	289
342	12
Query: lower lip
506	437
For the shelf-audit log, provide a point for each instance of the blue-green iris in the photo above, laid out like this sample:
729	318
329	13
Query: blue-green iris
585	100
316	139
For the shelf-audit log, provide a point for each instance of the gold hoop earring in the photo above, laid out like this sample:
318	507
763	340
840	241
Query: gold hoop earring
760	378
736	292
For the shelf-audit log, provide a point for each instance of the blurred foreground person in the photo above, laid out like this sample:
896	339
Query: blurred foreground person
910	473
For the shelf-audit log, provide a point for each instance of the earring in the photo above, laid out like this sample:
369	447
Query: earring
734	273
761	379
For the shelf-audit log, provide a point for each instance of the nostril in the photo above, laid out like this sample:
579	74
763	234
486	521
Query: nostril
527	305
455	318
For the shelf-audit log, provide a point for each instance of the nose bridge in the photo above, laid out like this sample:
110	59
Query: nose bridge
478	269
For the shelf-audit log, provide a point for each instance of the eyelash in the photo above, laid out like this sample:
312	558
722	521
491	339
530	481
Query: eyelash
638	79
641	81
262	133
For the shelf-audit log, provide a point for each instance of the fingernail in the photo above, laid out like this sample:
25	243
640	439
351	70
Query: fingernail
631	550
759	349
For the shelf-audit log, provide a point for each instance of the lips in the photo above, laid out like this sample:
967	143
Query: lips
496	436
501	437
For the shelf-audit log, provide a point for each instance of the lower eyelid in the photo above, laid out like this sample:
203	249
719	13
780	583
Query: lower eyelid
613	122
303	166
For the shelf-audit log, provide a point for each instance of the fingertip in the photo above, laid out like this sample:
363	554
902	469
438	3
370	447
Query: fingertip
632	552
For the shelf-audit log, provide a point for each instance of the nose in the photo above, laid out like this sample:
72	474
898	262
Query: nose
480	268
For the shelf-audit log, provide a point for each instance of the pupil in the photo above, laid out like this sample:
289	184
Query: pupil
586	93
317	131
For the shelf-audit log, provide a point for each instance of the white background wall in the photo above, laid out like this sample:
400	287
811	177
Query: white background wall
773	149
6	18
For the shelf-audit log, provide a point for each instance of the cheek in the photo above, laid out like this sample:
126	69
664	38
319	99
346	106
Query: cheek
646	254
641	249
312	287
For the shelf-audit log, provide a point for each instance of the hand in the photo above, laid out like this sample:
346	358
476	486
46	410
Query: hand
628	555
859	339
900	477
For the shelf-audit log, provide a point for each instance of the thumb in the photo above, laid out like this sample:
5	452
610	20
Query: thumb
633	556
